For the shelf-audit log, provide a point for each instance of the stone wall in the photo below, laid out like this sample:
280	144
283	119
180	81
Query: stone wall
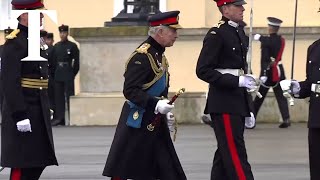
104	52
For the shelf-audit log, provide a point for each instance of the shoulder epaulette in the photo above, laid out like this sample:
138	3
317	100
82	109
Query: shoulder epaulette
143	48
13	34
221	22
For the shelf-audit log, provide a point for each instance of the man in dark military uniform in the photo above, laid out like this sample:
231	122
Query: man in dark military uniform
26	135
6	32
311	88
137	152
65	57
49	41
222	64
272	71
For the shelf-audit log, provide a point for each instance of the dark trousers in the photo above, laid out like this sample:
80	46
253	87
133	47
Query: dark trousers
62	93
230	160
282	101
26	173
51	93
314	153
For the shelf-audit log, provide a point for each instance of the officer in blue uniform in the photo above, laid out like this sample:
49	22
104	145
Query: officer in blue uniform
138	152
26	134
222	64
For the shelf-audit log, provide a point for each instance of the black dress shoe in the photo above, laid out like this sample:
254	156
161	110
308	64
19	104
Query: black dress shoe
285	124
57	122
206	119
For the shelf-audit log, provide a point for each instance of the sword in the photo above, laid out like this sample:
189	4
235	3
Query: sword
157	119
249	53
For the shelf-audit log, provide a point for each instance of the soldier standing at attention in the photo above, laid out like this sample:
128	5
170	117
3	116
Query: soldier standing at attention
49	41
65	57
222	64
138	152
310	87
272	71
6	32
26	135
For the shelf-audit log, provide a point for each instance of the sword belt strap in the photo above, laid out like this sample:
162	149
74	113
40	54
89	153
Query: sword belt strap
34	83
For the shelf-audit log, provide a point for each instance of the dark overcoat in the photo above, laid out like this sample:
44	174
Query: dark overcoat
137	153
24	149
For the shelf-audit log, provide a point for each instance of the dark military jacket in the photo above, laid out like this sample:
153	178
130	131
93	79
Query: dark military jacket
224	47
270	47
136	153
65	57
24	100
313	77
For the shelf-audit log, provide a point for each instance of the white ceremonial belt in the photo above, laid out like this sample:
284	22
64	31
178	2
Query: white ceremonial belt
315	88
235	72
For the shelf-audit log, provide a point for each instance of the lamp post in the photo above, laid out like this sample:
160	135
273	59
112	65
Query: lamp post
135	13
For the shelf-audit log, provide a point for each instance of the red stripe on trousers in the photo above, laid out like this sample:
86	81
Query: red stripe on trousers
16	174
232	147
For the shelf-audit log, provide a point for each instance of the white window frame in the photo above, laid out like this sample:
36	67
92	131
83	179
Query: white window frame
5	10
118	6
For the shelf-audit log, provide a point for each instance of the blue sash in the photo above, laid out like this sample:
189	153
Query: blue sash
136	113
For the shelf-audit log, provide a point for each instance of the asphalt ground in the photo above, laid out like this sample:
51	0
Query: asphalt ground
274	154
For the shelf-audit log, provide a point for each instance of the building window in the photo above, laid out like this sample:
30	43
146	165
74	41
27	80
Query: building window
5	9
118	6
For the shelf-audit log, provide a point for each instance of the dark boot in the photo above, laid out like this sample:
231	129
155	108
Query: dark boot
206	119
56	122
285	124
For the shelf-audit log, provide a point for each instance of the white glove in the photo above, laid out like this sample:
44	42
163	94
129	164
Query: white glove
248	81
250	122
170	121
263	79
295	87
256	37
163	107
24	126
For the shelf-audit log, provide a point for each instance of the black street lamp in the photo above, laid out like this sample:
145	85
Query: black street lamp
135	13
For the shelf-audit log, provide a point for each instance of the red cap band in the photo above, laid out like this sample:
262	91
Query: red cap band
223	2
168	21
29	6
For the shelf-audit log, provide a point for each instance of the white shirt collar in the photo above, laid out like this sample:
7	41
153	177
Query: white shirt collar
233	24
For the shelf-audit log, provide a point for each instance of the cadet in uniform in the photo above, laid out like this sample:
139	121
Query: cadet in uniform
65	59
272	71
311	88
222	64
49	41
137	152
6	32
26	135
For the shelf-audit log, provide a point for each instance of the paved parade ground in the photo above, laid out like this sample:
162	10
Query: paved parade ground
275	154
